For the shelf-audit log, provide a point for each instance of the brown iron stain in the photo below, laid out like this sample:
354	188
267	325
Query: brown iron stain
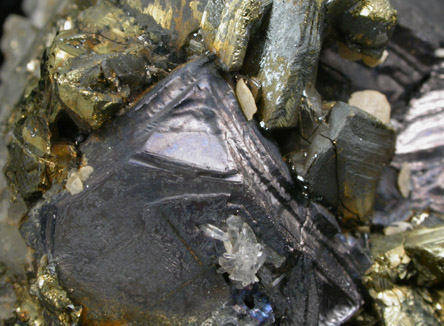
86	320
120	318
184	242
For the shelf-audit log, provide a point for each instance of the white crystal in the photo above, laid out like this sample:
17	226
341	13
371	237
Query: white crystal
372	102
214	232
74	184
244	256
85	172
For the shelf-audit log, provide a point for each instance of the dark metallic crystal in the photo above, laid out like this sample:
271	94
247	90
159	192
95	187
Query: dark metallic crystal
345	160
129	246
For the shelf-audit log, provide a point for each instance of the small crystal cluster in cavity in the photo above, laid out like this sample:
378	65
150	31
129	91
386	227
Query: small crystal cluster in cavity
244	255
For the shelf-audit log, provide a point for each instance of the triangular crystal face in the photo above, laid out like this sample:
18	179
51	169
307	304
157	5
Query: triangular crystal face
130	245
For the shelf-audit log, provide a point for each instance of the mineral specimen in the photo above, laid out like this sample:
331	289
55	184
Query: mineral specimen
372	102
412	58
419	148
367	25
289	56
425	246
96	67
122	176
186	157
246	99
345	160
7	296
244	256
227	27
290	50
411	256
172	20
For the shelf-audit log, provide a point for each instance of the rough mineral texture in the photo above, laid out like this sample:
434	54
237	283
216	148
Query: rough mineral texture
368	25
95	66
412	56
401	259
170	20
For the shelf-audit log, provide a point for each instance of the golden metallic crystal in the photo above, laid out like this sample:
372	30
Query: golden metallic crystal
426	247
227	26
368	25
414	256
176	18
94	67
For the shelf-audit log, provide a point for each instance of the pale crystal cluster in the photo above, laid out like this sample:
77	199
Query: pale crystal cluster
244	254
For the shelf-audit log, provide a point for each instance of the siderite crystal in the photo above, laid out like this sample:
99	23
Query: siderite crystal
285	49
130	246
412	58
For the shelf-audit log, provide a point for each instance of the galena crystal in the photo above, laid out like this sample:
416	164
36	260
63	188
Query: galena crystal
117	202
186	156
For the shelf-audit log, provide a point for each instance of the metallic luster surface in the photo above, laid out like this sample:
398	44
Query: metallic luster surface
345	160
290	54
129	246
41	300
227	26
401	305
95	67
426	247
174	19
96	64
30	162
406	267
186	156
368	25
54	297
419	146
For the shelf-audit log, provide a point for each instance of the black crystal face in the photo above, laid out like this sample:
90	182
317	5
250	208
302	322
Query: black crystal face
129	245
